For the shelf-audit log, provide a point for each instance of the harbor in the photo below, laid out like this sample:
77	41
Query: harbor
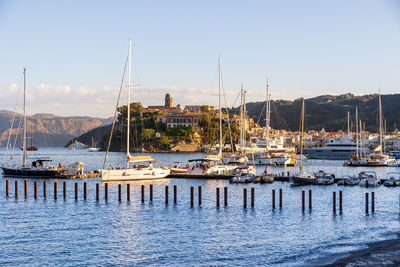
270	216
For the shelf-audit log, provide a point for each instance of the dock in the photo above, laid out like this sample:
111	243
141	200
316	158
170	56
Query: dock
199	176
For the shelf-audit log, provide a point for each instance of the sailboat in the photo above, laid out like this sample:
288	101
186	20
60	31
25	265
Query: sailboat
38	167
274	153
302	178
137	167
212	164
378	158
93	147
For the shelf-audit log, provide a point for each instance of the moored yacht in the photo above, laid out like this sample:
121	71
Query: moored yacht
138	167
38	167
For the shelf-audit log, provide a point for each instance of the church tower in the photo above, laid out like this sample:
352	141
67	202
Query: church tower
168	101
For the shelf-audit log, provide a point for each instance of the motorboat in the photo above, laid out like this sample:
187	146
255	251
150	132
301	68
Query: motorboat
392	179
178	168
368	179
349	180
322	178
210	165
243	178
303	178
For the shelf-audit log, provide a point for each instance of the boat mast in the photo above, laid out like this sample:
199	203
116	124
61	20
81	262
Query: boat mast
244	124
362	153
357	132
241	120
129	102
267	117
219	104
348	123
302	133
24	138
380	122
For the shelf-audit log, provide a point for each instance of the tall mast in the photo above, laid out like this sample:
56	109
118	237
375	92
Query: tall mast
348	123
241	119
302	133
357	131
380	123
244	124
24	138
361	141
267	117
219	104
129	101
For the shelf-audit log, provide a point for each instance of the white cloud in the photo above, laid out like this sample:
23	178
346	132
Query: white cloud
83	90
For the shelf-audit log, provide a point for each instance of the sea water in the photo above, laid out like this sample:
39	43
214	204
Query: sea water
45	231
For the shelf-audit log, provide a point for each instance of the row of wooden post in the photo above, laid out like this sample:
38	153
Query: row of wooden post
191	195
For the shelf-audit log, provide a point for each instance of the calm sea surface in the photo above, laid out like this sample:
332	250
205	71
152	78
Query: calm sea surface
68	232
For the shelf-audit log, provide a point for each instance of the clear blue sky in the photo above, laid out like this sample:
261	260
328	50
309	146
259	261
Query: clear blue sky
74	50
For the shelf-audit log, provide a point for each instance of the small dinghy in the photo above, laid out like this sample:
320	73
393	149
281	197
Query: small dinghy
392	179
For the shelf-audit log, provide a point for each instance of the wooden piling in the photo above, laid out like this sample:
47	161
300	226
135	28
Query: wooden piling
191	196
76	191
106	191
340	201
119	192
199	195
16	189
225	196
244	198
25	188
273	199
310	199
373	202
128	192
303	196
44	189
7	185
84	190
55	190
334	202
65	190
151	193
280	198
175	194
217	197
166	195
366	203
35	189
97	192
142	194
252	197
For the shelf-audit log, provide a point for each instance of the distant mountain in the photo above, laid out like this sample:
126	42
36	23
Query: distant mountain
329	112
47	129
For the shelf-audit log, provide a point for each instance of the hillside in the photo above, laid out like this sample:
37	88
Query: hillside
47	129
329	112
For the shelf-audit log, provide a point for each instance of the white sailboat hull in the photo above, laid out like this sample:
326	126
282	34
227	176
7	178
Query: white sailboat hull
133	174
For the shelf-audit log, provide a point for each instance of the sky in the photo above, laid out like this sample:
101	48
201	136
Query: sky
75	50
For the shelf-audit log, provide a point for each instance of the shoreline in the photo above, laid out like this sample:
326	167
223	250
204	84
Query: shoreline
385	252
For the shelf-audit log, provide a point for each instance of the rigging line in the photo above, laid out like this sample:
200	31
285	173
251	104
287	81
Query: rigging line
227	113
115	113
13	118
233	114
16	136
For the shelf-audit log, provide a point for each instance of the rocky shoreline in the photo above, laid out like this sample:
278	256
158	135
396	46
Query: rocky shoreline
381	253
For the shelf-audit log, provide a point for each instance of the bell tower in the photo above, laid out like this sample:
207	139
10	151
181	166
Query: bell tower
168	101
